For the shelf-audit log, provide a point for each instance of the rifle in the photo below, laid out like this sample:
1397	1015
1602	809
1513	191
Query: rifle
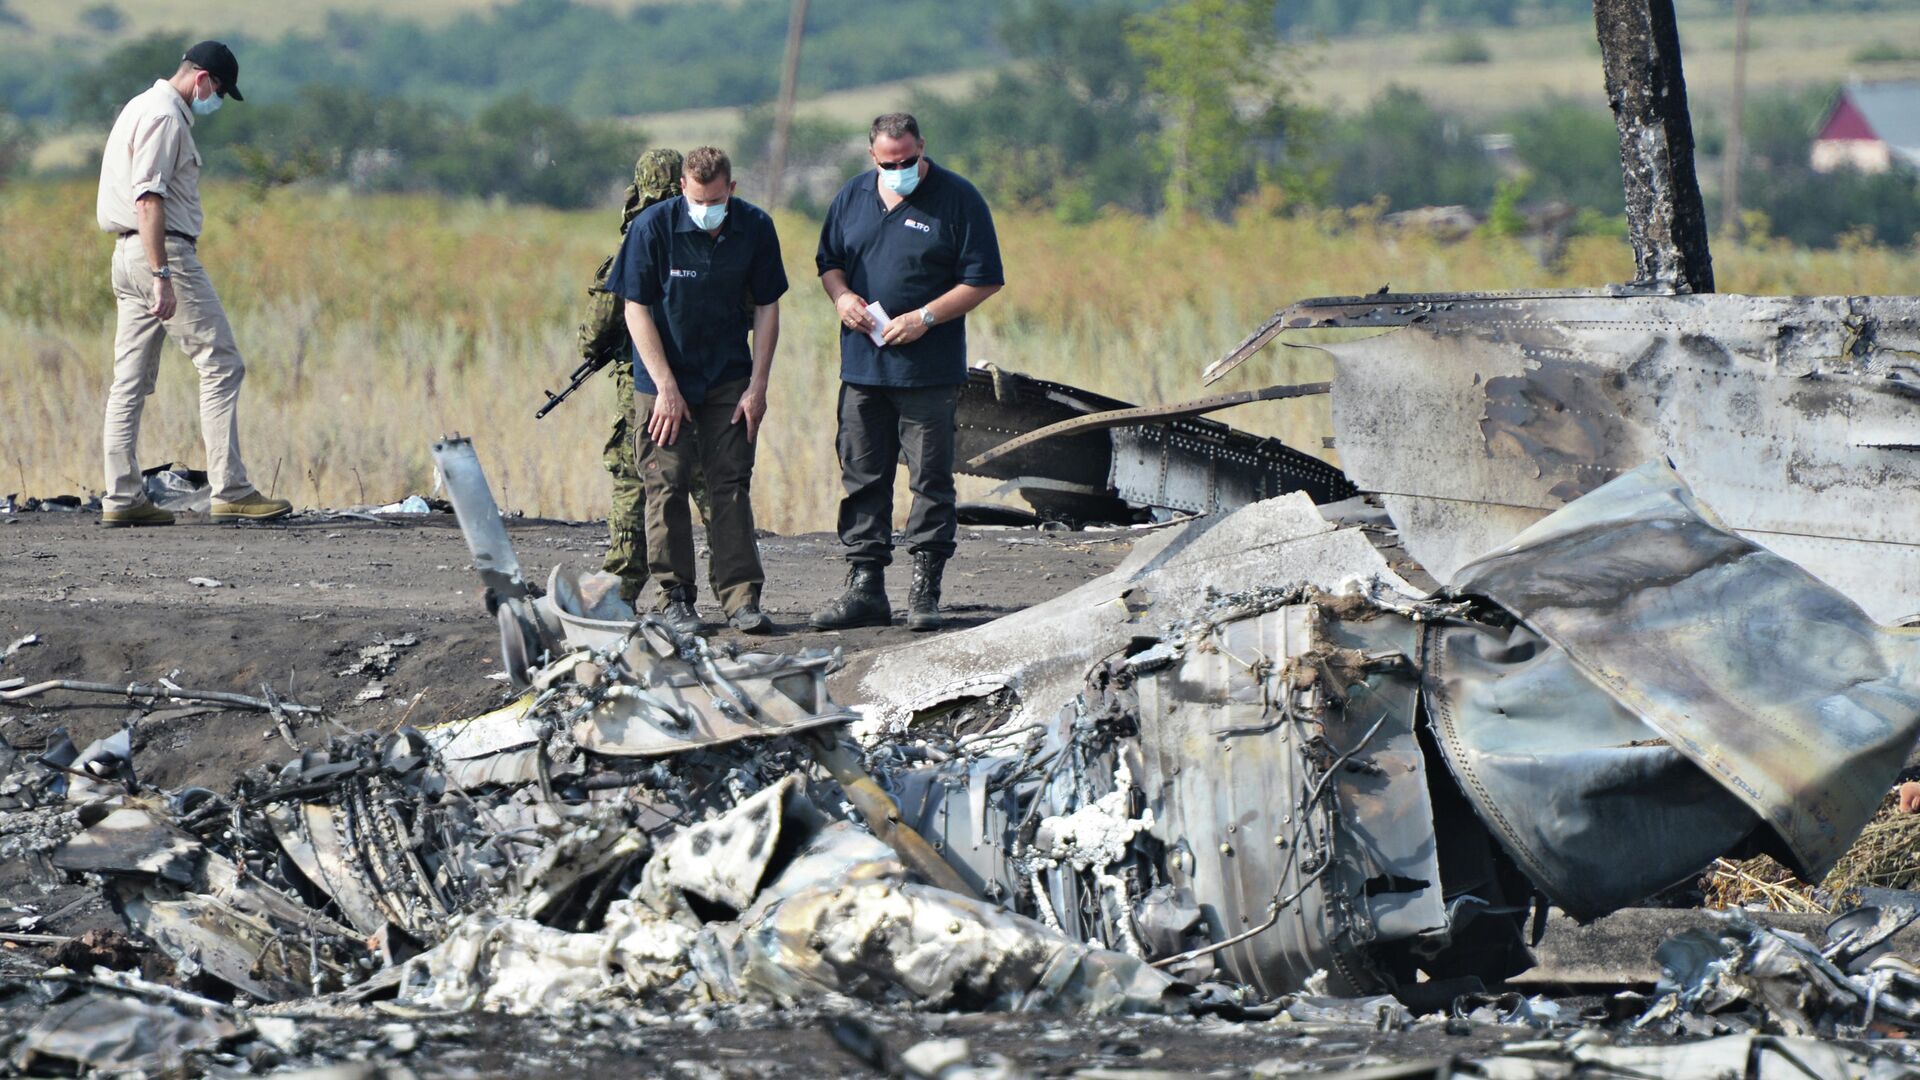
587	369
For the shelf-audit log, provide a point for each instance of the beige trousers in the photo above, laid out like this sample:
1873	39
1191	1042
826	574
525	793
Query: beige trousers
199	326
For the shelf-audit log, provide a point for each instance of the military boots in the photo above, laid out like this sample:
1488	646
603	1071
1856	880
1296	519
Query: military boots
863	604
923	599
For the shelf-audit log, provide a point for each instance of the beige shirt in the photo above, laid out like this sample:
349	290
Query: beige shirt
150	150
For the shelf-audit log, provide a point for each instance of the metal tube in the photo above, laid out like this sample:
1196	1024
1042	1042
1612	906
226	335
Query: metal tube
141	690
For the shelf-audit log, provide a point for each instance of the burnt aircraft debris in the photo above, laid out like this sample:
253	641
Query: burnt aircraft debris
1793	417
1116	462
1337	792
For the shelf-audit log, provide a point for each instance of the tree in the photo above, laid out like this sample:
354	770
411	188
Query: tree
103	19
1064	130
1573	152
1216	71
1402	148
98	92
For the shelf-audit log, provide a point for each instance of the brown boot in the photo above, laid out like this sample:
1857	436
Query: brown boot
254	507
135	516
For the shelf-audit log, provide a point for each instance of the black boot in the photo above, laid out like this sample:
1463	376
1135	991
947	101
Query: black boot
679	611
923	599
863	604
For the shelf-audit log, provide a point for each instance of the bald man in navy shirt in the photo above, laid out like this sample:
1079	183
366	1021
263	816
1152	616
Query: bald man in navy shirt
917	240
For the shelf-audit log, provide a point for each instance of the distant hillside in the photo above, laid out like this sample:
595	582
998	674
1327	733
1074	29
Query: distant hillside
42	19
93	20
592	59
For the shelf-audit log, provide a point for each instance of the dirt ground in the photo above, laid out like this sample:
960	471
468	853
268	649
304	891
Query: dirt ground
296	602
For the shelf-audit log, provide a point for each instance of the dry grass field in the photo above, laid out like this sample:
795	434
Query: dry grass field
372	324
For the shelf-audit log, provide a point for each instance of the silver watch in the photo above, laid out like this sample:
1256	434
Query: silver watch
163	273
926	316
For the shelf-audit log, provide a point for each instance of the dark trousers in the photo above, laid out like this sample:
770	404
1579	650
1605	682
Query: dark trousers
713	443
877	425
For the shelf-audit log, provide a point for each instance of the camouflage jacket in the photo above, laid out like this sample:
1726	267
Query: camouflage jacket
603	333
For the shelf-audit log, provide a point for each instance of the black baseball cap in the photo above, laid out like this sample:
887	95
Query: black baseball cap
218	61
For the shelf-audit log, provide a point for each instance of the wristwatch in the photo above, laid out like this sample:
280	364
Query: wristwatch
163	273
926	316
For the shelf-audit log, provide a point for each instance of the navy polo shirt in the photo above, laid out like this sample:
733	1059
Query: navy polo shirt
701	290
905	258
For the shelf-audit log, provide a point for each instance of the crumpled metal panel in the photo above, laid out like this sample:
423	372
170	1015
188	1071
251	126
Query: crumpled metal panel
1778	687
117	1035
1328	804
1794	417
1043	653
677	699
1590	800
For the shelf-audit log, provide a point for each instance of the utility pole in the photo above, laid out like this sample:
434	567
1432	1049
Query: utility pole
1736	128
783	109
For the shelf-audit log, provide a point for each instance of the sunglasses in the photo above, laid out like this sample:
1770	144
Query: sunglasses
903	163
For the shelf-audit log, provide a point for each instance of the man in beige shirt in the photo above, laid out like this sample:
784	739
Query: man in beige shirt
150	199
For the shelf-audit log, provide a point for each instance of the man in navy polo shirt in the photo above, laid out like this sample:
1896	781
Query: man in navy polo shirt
910	243
698	273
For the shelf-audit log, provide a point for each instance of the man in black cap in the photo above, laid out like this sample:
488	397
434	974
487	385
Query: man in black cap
150	199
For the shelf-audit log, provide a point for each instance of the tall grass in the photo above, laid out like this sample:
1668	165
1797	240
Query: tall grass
372	324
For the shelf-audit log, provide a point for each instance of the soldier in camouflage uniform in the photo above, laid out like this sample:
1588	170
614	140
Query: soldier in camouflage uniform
656	176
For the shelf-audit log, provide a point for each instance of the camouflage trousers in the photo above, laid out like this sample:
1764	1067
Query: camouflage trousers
627	518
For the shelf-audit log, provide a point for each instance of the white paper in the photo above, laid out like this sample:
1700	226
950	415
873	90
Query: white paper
880	321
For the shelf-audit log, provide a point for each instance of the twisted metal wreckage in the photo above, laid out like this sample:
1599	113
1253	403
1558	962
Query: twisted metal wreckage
1143	794
1617	602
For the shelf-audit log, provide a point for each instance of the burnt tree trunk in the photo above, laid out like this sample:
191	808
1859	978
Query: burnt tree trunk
1640	52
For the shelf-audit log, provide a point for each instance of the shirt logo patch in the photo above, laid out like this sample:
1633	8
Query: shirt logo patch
921	225
676	272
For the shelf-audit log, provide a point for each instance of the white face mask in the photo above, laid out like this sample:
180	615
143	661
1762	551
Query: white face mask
901	181
209	105
707	217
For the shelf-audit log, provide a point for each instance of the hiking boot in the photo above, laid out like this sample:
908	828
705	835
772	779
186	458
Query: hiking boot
139	514
923	598
254	507
679	612
863	604
750	620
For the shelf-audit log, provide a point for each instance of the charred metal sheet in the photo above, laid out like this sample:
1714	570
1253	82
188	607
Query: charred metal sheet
1187	463
133	841
1777	687
1042	654
1275	804
1787	414
1647	91
117	1035
1591	800
661	694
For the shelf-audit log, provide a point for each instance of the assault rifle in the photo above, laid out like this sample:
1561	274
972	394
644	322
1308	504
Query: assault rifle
587	369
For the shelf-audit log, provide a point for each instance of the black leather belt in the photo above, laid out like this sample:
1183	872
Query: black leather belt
188	237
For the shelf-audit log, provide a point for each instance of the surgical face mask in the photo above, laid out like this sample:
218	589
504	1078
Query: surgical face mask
901	181
707	217
208	106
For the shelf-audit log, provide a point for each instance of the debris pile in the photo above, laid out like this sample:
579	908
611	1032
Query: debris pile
1334	796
